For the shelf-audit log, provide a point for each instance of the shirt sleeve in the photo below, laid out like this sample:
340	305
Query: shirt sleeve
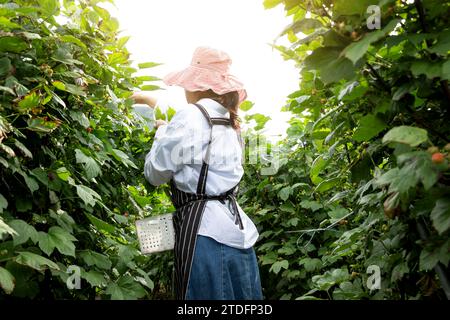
163	160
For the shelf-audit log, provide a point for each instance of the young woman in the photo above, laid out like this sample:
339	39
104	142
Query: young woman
199	153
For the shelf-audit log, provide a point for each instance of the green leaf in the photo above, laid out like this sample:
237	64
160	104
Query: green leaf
246	106
5	67
126	288
432	254
24	232
330	278
6	229
440	215
41	125
30	182
326	185
24	149
313	205
332	66
30	35
337	213
317	167
369	127
170	113
277	266
81	118
35	261
303	25
57	238
46	243
94	278
148	78
92	258
150	87
59	85
72	39
430	69
412	136
30	101
3	203
123	157
49	7
349	291
58	99
7	24
260	120
6	89
351	7
7	281
268	4
159	115
147	281
399	271
353	91
12	44
311	264
71	88
357	50
442	46
91	167
64	240
100	224
63	173
147	65
284	193
446	70
89	196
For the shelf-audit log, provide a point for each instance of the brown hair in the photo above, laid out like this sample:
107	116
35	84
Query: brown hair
229	100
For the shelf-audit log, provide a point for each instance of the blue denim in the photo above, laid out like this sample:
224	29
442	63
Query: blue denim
220	272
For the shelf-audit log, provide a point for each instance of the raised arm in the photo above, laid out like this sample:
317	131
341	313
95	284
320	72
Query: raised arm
144	98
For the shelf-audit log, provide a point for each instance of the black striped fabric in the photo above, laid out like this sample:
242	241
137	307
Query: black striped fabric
188	215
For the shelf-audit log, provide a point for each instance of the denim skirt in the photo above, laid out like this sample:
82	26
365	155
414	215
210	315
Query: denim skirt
221	272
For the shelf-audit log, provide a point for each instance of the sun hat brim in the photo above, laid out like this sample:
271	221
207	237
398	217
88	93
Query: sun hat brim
195	78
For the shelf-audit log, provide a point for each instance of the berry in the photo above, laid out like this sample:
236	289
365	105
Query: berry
437	158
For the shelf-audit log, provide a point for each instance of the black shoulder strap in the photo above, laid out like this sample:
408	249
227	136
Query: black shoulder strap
201	186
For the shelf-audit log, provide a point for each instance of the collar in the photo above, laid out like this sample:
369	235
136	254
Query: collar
211	104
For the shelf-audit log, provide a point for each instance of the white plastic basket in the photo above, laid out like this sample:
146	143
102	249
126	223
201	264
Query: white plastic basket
156	234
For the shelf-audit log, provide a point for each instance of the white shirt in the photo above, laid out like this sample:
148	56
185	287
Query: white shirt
178	151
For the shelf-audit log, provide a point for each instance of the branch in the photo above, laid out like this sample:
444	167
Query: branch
421	13
380	80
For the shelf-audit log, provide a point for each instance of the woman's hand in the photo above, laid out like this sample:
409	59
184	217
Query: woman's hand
159	123
144	98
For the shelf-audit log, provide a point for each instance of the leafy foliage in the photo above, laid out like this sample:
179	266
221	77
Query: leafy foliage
71	155
363	177
364	171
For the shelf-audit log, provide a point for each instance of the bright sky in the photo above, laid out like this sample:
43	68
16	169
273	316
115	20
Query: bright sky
168	31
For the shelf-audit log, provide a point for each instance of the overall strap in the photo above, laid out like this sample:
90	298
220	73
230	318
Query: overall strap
201	186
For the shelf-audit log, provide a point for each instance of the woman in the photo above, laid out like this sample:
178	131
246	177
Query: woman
199	153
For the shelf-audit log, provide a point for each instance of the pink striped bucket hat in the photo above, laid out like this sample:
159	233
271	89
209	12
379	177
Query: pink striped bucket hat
209	69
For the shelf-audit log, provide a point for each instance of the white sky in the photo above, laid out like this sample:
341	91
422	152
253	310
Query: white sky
168	31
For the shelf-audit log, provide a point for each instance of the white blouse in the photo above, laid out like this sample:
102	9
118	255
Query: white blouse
178	151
